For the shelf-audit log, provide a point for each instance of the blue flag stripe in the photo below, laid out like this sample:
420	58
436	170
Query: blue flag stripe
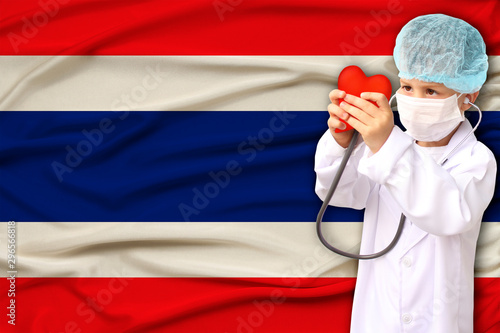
171	166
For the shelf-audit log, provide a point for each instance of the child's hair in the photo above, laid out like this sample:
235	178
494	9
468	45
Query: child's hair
443	49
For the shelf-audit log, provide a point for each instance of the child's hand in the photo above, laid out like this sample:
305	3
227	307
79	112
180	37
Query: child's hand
374	123
335	112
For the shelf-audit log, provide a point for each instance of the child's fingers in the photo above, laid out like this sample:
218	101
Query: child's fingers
367	107
378	98
356	112
357	124
335	110
335	95
334	123
335	113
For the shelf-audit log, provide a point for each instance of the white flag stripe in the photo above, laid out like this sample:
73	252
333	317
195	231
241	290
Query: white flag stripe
190	83
203	249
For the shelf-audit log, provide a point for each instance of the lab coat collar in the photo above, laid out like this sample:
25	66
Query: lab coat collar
463	130
417	234
414	237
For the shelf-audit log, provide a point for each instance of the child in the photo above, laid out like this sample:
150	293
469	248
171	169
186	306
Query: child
425	283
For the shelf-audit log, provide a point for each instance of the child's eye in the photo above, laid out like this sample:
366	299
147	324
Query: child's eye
431	92
406	88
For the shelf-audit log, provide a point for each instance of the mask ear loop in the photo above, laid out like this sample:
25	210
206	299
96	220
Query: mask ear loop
467	136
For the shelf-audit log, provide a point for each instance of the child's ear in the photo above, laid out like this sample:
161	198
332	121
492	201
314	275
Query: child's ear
473	96
468	98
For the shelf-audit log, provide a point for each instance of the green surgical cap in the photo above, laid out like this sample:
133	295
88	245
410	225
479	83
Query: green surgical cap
443	49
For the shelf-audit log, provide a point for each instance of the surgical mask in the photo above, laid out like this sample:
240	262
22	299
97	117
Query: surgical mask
429	119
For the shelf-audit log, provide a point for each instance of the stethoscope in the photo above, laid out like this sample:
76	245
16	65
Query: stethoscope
402	219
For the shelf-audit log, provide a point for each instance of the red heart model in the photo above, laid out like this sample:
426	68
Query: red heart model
353	81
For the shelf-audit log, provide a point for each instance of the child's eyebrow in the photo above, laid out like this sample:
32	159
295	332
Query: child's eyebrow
423	84
432	84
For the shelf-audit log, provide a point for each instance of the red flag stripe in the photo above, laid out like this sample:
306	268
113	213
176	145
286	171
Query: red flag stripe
181	304
240	305
224	27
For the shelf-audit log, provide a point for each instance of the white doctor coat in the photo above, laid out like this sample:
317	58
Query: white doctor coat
425	284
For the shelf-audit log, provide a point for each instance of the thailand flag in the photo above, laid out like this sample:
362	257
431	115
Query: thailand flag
156	161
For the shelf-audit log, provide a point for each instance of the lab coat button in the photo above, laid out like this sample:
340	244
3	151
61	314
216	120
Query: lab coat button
407	262
407	318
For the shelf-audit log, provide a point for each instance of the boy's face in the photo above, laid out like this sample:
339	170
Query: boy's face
421	89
